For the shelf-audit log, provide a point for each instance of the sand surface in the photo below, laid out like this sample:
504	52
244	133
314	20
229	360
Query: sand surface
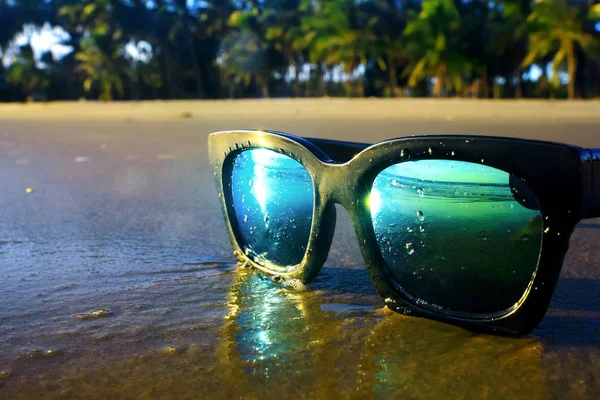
123	219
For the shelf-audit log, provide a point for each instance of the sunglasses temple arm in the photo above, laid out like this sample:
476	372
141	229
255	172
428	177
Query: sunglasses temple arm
338	150
591	195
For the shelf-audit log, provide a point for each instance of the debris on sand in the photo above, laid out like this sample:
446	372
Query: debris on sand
99	313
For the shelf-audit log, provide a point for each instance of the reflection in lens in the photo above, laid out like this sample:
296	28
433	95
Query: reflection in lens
273	201
456	235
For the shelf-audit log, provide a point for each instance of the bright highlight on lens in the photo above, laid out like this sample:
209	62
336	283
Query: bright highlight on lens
459	236
273	198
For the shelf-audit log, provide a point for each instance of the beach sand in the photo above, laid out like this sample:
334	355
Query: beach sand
118	280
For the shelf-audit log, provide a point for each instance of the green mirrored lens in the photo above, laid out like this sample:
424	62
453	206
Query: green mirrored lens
273	198
455	235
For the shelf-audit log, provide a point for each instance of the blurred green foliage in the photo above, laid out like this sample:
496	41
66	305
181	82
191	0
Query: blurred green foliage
262	48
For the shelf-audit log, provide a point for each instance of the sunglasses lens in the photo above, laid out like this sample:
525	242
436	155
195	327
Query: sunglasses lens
273	198
458	236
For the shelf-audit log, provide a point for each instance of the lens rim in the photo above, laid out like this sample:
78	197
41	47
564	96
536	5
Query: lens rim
553	172
222	154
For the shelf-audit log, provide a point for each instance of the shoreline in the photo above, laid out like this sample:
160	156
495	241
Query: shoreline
497	111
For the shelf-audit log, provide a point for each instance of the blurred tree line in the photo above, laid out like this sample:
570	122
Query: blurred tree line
261	48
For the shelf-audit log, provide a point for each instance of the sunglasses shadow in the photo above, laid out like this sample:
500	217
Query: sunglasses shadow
573	317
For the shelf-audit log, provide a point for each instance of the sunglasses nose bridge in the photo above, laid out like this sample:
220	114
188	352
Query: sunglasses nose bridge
339	185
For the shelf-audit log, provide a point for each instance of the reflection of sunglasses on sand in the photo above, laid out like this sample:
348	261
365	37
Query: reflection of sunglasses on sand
468	230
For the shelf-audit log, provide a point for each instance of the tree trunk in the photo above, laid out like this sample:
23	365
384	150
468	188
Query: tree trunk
167	73
321	87
264	87
518	88
496	89
195	65
348	88
296	81
361	86
544	85
439	80
393	75
572	68
134	84
485	88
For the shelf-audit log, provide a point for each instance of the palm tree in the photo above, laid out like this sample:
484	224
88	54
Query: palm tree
556	27
99	64
509	39
340	32
250	50
25	73
391	46
282	23
433	39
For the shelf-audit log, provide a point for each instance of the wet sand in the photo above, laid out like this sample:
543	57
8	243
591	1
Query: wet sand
118	279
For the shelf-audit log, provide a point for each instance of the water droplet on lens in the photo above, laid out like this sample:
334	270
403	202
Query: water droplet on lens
482	235
220	195
409	229
421	229
251	182
245	218
547	230
249	143
524	238
430	151
237	146
409	248
452	154
266	218
281	151
392	225
421	192
370	160
420	215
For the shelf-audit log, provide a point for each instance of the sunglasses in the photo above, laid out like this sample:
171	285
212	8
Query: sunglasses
469	230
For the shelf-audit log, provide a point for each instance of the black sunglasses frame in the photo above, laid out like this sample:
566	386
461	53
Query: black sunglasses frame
565	180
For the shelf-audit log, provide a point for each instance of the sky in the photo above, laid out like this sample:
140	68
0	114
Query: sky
50	38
